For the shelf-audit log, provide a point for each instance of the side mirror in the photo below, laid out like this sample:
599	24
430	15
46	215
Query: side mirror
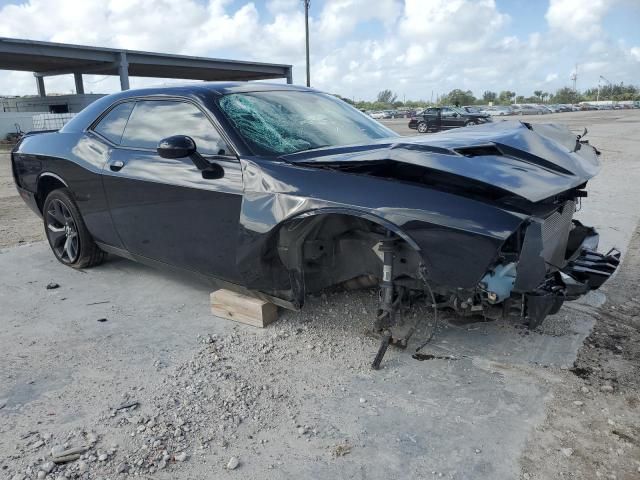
213	172
182	146
178	146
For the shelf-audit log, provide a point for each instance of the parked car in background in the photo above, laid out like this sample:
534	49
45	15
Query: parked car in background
526	109
498	111
435	119
541	108
377	115
474	109
516	109
405	113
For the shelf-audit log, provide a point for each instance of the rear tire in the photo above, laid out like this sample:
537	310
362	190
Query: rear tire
67	233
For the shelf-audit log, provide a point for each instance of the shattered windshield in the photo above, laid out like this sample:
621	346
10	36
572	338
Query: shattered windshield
283	122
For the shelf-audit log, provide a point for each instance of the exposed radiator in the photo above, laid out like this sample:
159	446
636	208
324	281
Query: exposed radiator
555	233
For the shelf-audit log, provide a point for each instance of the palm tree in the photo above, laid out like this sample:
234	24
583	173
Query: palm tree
545	95
538	93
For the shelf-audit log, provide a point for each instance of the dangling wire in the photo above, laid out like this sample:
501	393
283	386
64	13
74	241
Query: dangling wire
435	313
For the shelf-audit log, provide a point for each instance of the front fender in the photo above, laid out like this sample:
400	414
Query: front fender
458	238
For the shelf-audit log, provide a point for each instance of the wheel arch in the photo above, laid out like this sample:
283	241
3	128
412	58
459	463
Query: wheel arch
47	183
326	246
351	212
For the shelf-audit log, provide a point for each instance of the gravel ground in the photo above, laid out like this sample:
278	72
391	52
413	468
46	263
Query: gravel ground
121	371
18	223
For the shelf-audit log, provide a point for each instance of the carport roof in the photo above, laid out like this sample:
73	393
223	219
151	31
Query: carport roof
48	58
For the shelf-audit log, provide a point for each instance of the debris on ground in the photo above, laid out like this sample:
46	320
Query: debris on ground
604	432
341	450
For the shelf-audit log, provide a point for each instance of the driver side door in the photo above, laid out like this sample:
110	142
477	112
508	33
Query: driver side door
450	119
163	209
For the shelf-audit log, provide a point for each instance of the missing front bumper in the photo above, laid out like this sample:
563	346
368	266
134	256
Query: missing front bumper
587	271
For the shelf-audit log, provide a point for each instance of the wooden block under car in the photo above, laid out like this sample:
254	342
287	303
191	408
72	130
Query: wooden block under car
243	309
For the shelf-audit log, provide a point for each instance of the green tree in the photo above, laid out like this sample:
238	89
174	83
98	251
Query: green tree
386	96
538	94
566	95
506	96
458	97
613	92
545	95
344	99
489	96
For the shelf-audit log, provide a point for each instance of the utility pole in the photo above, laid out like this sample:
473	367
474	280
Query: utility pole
574	78
306	29
601	78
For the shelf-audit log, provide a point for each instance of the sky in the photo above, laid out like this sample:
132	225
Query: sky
418	48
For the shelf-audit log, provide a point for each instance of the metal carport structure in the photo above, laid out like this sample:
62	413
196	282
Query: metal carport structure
48	58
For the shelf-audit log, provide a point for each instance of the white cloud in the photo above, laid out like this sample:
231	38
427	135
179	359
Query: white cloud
578	18
337	16
358	47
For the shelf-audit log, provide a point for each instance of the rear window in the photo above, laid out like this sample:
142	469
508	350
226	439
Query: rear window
112	125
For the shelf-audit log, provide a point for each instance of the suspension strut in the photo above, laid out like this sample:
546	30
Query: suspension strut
389	301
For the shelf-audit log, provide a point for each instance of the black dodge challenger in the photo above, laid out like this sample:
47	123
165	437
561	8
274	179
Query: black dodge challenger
281	191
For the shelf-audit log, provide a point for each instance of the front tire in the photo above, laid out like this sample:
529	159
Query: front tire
66	232
423	127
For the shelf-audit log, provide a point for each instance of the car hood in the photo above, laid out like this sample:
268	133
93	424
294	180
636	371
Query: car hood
531	161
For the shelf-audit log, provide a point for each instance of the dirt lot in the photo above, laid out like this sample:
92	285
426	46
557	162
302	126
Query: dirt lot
298	399
17	223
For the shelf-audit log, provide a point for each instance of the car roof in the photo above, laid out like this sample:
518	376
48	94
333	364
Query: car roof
216	88
200	89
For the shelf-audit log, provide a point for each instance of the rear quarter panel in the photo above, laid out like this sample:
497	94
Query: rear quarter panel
78	159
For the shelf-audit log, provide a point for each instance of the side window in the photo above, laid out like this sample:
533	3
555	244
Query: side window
112	125
153	120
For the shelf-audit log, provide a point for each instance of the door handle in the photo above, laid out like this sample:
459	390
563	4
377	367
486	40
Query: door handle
116	166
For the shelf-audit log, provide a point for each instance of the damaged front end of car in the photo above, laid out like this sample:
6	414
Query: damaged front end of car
556	260
478	220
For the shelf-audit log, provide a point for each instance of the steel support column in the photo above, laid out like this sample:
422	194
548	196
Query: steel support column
77	77
123	70
40	85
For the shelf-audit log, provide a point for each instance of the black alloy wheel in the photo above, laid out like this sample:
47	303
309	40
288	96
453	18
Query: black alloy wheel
62	232
66	232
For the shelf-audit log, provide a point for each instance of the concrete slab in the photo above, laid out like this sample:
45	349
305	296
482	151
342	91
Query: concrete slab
464	418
